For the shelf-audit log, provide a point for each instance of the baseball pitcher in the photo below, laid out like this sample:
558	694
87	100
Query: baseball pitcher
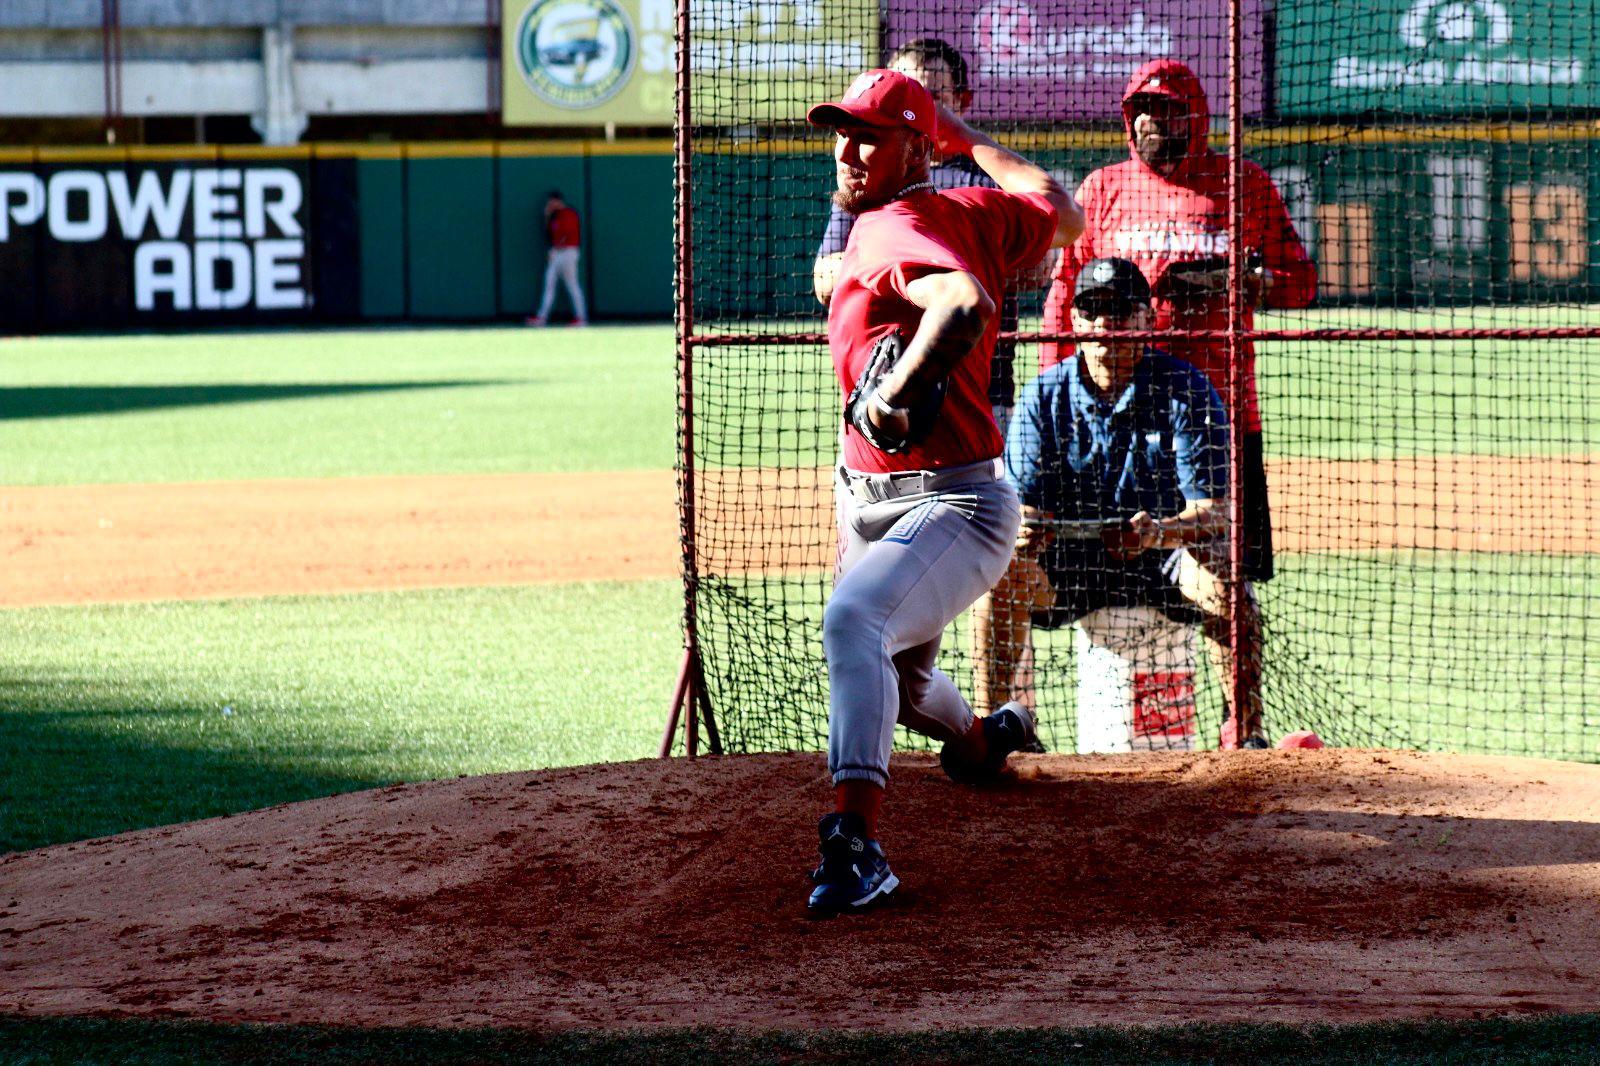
926	518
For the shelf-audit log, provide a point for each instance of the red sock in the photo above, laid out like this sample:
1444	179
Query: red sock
976	740
859	797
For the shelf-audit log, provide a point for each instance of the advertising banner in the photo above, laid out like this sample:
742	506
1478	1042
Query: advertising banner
157	243
589	62
1427	57
1048	60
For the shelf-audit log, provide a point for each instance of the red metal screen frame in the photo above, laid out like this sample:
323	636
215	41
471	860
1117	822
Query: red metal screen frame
690	700
689	692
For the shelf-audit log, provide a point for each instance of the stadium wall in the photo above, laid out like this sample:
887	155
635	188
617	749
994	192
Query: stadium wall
452	231
146	237
1395	217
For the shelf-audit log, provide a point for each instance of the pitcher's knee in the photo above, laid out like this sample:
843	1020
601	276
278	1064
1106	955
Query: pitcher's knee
850	623
915	692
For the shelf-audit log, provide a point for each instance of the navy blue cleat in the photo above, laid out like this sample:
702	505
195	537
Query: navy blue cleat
854	875
1007	730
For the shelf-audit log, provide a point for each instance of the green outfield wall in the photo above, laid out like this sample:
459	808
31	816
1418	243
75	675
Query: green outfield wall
1398	217
151	237
160	238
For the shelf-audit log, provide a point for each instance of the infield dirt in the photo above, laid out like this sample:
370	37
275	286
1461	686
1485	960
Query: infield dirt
99	543
1287	886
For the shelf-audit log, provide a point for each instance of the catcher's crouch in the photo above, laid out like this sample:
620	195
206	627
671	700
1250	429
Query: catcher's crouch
926	520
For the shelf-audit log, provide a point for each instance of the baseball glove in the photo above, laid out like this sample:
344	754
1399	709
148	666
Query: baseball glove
921	414
1192	279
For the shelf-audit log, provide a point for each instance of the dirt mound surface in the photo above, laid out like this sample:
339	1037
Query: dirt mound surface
1312	885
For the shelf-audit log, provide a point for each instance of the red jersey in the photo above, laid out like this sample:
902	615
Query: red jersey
562	228
1135	213
985	232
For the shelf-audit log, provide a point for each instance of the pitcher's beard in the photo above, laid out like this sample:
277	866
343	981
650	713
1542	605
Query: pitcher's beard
858	201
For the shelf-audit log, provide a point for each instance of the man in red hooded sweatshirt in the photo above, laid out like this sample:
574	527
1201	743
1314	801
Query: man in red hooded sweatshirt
1166	209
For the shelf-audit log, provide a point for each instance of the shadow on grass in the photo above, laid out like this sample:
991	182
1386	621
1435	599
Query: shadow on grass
74	773
62	401
1547	1039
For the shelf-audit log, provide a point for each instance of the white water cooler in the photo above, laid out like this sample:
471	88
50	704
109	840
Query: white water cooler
1135	681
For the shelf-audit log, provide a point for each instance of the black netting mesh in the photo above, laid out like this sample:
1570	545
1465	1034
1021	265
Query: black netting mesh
1432	496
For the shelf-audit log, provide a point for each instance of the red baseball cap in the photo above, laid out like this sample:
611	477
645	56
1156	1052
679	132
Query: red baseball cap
880	98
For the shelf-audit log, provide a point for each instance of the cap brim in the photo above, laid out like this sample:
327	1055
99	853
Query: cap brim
831	116
1109	293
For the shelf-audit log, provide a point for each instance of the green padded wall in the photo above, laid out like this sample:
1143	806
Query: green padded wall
630	235
380	202
450	231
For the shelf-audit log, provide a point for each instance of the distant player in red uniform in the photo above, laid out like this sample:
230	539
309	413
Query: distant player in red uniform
926	518
562	234
1166	209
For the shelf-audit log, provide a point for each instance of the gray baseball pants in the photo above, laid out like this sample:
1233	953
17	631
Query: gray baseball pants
915	550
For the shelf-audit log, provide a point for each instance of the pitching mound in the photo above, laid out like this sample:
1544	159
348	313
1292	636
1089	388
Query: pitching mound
1314	885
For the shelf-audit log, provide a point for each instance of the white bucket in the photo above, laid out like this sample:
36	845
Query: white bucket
1135	681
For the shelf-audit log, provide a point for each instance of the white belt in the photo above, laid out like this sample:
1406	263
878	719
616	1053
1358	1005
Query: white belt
875	488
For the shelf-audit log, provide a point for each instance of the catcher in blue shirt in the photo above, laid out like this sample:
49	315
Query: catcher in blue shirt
1120	455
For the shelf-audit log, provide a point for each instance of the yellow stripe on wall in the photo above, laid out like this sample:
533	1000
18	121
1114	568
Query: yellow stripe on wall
1025	140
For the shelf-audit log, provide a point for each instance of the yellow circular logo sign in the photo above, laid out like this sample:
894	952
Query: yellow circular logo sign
575	53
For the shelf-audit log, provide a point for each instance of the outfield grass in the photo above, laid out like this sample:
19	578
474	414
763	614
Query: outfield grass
335	403
116	717
120	717
779	406
1482	652
1474	652
124	716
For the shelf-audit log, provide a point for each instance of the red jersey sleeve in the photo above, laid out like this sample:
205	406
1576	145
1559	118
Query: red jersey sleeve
1022	225
1294	276
890	257
1032	229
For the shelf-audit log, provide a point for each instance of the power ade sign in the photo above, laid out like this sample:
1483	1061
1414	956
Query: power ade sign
1427	56
159	242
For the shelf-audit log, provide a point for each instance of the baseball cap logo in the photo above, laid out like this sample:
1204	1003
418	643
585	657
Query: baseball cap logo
862	84
910	115
1104	271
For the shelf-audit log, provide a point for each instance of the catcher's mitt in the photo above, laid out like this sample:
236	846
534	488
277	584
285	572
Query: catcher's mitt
1193	279
922	414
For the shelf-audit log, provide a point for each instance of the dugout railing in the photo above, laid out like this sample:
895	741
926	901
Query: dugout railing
1431	441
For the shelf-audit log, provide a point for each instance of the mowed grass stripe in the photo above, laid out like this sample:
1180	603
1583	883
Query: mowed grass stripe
335	403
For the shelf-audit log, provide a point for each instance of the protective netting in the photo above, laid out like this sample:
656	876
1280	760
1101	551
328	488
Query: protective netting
1432	495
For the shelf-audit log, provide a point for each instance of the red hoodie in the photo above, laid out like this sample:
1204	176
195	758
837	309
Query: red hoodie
1135	213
